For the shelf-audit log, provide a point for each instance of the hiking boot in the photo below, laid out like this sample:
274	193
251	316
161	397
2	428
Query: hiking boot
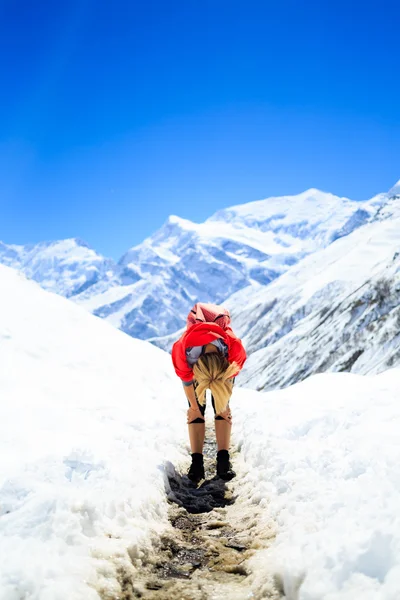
196	471
224	467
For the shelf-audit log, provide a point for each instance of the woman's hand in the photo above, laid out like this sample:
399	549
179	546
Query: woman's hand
226	414
193	414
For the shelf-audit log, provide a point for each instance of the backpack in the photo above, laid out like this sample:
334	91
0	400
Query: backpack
203	312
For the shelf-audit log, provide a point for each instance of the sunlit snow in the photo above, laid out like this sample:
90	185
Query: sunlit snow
90	417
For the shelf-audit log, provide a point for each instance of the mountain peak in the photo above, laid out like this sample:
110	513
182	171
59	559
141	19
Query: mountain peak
80	242
395	190
183	223
67	243
311	191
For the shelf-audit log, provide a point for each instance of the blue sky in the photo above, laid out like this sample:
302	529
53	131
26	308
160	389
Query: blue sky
115	115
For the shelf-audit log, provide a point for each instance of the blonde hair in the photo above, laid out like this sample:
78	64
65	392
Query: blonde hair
213	371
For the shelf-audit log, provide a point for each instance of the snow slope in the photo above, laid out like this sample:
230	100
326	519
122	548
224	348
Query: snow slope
82	406
323	458
337	310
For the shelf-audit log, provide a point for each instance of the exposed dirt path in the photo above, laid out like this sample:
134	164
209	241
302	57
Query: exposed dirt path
213	534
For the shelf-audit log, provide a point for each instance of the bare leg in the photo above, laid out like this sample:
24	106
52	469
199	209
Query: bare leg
223	434
197	432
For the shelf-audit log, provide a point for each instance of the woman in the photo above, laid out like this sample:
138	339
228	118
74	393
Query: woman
208	356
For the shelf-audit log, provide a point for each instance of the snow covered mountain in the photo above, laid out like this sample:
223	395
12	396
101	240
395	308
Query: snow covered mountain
249	244
337	310
148	293
66	267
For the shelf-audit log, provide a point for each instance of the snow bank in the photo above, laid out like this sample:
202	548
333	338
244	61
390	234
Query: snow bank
87	418
324	459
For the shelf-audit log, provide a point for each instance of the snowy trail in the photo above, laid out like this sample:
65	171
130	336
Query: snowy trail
204	555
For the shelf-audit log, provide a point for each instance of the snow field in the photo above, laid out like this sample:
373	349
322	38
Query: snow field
88	417
324	460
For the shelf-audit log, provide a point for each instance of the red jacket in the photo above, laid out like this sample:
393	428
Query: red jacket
200	335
